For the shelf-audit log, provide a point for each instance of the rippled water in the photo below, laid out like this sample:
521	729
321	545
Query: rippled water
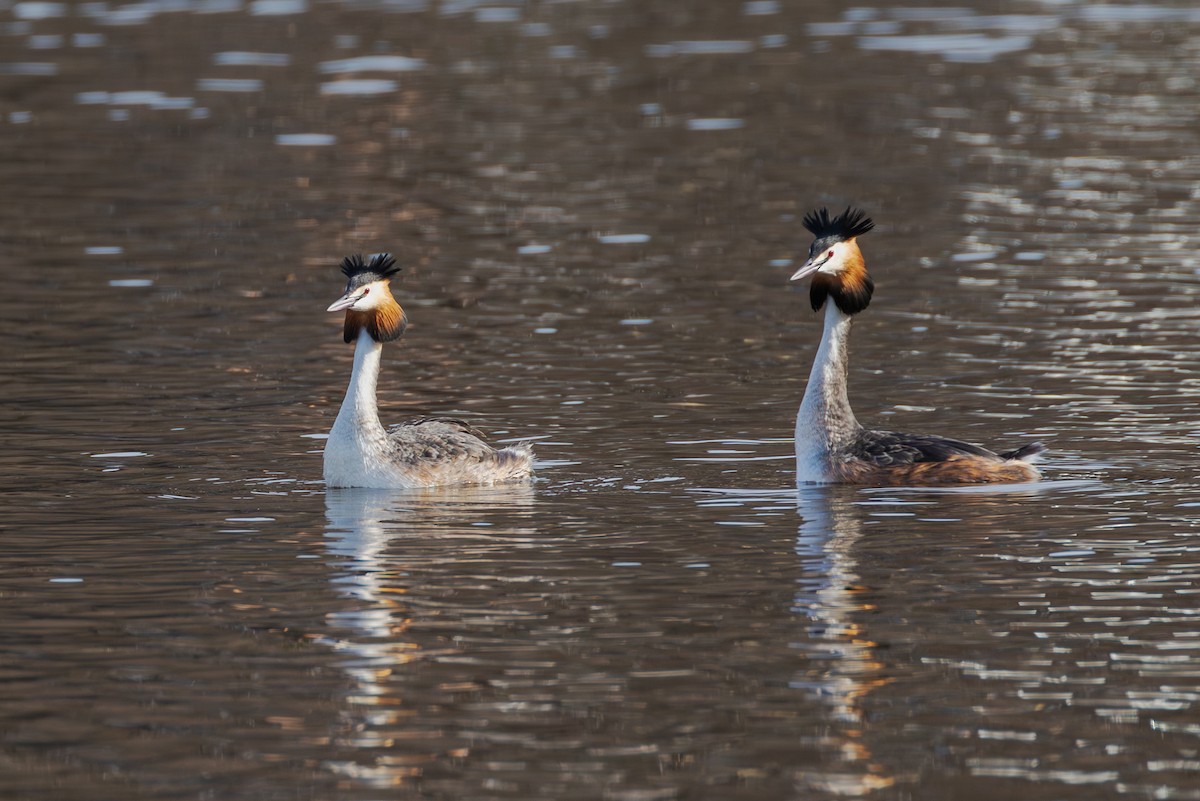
596	205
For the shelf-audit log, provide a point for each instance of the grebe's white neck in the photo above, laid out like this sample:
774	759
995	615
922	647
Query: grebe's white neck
357	442
825	421
360	408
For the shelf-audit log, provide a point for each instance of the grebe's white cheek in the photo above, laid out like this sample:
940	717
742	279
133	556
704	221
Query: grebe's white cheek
370	298
833	263
364	302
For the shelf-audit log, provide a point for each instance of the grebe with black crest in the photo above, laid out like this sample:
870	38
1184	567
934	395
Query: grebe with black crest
831	445
423	453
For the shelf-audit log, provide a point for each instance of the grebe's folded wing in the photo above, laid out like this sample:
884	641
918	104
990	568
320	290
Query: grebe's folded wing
454	423
437	438
888	448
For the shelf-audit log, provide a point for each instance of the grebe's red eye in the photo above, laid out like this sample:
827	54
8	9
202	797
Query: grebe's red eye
367	290
829	255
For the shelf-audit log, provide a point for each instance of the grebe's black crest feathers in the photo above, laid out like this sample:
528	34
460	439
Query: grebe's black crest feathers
850	223
381	266
352	265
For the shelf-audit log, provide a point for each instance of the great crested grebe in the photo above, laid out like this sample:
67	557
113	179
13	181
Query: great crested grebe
831	445
424	453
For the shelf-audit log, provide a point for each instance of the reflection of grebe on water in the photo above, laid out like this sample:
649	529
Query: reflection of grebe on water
366	539
363	523
831	597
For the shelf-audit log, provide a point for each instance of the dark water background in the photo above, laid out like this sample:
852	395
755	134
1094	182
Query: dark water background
596	204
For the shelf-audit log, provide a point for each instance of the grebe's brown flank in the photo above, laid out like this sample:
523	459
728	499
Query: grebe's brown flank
831	445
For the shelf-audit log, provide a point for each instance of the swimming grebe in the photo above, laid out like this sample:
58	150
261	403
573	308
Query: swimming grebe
831	445
424	453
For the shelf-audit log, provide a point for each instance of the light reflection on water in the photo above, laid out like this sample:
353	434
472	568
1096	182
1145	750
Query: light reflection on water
855	648
596	205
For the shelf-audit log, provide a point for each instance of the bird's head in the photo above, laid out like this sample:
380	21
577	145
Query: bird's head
368	300
835	262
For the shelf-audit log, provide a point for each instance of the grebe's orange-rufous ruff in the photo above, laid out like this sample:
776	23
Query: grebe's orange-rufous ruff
422	453
831	445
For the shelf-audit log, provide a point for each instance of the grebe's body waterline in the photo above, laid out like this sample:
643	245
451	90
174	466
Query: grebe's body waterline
360	452
831	445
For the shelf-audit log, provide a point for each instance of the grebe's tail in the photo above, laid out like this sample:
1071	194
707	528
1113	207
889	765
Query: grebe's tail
1026	453
516	460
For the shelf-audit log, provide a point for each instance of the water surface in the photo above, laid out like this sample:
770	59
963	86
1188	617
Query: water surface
596	206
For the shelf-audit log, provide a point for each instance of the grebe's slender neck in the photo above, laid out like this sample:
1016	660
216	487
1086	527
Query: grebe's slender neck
825	421
360	412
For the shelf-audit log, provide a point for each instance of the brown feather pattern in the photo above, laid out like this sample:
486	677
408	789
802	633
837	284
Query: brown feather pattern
384	323
953	470
851	288
892	458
